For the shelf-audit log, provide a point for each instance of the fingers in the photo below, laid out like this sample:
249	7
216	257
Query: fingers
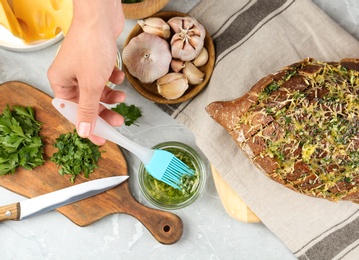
90	96
97	140
110	117
62	82
111	96
117	76
88	107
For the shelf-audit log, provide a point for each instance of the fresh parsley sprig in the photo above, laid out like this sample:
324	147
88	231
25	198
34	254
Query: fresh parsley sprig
130	113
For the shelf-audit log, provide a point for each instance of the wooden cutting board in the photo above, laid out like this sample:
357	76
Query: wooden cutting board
166	227
233	204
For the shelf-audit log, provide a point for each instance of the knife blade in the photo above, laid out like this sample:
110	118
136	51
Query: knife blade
59	198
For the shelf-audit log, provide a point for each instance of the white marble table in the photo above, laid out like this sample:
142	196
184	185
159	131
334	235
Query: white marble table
209	233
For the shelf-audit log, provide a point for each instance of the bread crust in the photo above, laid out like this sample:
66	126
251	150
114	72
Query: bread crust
269	124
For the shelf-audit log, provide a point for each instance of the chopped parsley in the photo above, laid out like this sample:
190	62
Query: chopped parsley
20	143
75	155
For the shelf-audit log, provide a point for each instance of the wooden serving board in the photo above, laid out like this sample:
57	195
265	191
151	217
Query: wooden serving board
232	203
142	9
166	227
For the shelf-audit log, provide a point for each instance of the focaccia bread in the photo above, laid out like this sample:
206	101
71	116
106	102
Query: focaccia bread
301	127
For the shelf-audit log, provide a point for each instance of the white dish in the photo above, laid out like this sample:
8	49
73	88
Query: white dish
12	43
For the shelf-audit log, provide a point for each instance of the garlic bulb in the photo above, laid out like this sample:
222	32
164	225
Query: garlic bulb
172	86
156	26
194	75
177	65
147	57
188	39
202	58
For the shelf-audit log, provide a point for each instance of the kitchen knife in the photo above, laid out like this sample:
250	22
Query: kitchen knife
56	199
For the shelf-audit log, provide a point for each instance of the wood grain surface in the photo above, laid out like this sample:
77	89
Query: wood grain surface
166	227
232	203
143	9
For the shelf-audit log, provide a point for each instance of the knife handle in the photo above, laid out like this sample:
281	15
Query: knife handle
10	212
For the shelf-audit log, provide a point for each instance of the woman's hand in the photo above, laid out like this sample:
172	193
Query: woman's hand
86	61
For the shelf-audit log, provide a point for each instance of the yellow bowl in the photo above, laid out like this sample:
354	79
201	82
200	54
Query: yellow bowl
143	9
149	91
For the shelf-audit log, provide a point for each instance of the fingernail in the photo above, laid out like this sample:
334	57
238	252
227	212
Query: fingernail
84	129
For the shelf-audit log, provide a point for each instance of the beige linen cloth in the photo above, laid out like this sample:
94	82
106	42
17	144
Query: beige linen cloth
253	39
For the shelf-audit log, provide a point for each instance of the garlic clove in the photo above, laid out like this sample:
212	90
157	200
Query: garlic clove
188	22
188	48
195	41
177	42
195	76
156	26
176	23
188	39
177	65
147	57
202	58
172	86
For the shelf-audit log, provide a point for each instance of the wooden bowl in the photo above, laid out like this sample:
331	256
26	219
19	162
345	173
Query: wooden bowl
149	91
143	9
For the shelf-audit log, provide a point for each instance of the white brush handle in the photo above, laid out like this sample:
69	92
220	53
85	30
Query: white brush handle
102	129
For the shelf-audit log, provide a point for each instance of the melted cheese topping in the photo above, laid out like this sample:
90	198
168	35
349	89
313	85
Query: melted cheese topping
321	126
